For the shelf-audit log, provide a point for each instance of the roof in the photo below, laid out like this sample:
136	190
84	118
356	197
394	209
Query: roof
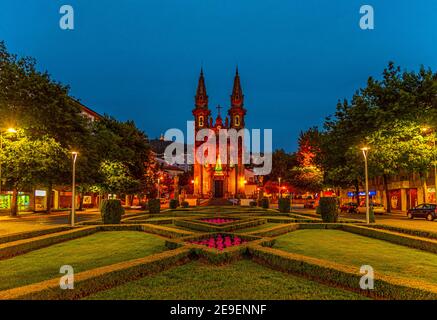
86	109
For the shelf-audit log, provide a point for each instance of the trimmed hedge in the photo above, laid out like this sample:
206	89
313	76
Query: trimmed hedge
328	209
11	249
413	232
195	225
185	204
174	203
165	231
276	230
154	206
111	211
264	203
342	275
284	205
103	278
396	238
30	234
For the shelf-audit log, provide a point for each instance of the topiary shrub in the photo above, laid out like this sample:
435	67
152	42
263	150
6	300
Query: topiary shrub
174	203
284	205
265	203
154	206
185	204
252	204
111	211
328	209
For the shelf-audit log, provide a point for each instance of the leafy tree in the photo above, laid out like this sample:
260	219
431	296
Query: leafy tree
26	162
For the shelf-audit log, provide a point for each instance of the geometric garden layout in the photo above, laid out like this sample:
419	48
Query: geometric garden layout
220	253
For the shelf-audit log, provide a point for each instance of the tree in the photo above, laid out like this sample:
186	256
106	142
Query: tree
26	162
117	178
306	175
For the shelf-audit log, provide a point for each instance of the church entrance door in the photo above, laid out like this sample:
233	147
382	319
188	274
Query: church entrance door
218	189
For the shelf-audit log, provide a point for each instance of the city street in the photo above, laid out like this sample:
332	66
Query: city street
395	219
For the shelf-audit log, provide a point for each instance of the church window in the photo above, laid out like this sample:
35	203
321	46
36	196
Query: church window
237	120
201	121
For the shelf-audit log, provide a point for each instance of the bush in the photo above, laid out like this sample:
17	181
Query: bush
328	209
252	204
111	211
185	204
154	206
174	203
284	205
265	203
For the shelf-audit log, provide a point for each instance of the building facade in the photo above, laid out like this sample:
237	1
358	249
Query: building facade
221	179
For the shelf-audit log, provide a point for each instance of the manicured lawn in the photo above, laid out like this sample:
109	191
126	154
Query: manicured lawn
103	248
241	280
350	249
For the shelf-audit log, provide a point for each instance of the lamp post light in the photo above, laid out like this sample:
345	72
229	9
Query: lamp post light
159	190
73	192
425	129
9	130
279	180
365	152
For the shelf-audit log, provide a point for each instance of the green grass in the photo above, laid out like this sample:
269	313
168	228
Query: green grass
350	249
103	248
241	280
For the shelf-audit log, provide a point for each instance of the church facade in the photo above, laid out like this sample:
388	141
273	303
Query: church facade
222	179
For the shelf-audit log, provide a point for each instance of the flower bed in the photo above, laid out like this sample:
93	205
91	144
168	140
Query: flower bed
219	241
218	220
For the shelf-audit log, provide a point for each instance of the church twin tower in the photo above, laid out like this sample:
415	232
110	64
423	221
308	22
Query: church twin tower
219	180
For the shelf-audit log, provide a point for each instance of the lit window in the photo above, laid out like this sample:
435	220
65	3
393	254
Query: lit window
201	121
237	120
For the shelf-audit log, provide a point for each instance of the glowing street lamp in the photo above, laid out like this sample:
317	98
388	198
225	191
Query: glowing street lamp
9	130
426	129
159	189
365	152
73	192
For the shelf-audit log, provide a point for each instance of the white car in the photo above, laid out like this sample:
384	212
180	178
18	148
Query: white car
377	208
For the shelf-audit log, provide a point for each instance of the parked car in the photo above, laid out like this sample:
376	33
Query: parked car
350	207
377	208
425	210
309	204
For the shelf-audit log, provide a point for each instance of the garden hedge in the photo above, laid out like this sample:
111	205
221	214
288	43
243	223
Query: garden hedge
393	237
204	227
174	203
328	209
11	249
284	205
342	275
30	234
154	206
413	232
165	231
111	211
103	278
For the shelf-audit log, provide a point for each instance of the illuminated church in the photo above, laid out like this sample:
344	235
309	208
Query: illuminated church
222	179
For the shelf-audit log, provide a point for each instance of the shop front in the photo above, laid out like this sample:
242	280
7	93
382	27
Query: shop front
23	201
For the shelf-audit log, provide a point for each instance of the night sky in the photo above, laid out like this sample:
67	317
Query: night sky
140	59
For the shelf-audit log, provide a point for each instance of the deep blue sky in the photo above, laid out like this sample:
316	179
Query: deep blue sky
140	59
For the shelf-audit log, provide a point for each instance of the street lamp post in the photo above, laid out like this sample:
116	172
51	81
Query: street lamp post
365	152
9	130
159	190
279	179
435	162
73	192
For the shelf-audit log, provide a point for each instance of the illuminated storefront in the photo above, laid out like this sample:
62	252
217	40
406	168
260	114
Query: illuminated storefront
23	201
